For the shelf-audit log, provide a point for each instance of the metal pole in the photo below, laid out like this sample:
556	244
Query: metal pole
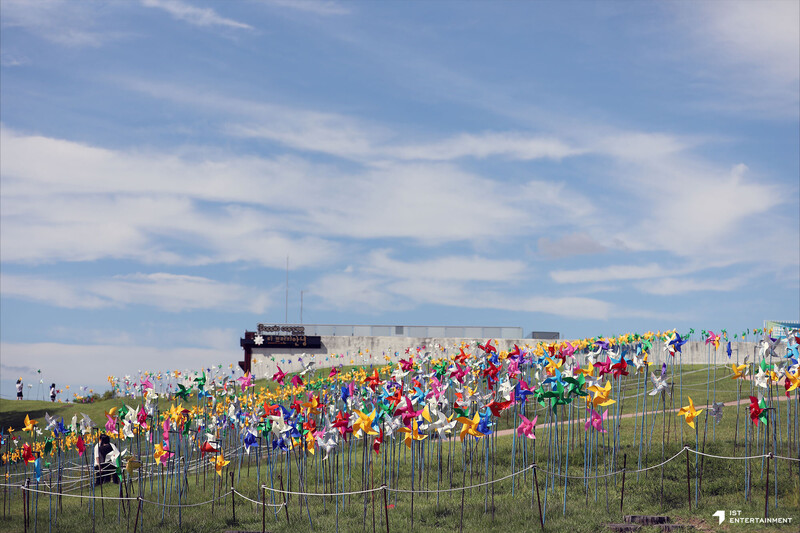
286	319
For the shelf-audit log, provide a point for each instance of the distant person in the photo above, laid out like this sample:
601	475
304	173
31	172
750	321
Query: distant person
53	392
106	471
19	389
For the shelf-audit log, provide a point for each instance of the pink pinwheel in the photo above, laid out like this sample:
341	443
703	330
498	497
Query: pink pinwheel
279	375
407	366
80	445
147	384
713	338
596	420
245	381
568	349
297	382
333	372
459	373
141	416
165	433
408	413
526	427
513	368
603	368
111	423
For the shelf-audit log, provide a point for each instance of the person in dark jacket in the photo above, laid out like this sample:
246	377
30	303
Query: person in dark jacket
53	392
104	453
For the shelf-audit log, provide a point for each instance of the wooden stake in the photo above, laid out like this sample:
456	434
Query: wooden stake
285	506
386	506
624	466
263	510
688	484
766	488
233	500
538	499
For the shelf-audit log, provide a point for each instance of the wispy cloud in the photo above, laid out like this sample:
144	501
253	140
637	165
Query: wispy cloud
169	292
315	7
74	24
569	245
609	273
196	16
669	286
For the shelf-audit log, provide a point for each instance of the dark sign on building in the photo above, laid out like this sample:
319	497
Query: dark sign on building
277	337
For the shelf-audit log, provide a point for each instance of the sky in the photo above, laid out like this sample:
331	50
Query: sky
591	168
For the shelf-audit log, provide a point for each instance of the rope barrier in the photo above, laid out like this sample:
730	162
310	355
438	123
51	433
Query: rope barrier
498	480
278	505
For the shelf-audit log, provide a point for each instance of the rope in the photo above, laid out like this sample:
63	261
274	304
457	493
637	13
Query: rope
185	504
257	502
465	488
321	493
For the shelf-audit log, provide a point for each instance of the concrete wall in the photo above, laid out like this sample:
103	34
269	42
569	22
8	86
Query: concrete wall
372	350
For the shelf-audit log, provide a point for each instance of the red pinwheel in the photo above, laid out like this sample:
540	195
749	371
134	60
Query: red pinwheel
516	351
618	369
27	453
407	365
488	348
376	445
374	381
279	375
333	373
462	357
206	447
499	407
758	410
297	382
79	444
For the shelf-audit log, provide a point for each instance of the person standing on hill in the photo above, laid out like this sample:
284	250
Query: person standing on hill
53	392
19	389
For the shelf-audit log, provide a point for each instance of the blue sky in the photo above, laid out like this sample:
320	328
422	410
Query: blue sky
584	167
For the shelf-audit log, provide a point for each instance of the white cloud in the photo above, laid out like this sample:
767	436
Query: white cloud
512	145
751	52
452	268
169	292
670	286
569	245
196	16
316	7
609	273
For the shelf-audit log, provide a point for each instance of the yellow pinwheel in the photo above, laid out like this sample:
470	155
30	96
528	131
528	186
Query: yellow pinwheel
219	463
601	395
739	371
470	426
364	423
794	380
689	412
29	424
412	433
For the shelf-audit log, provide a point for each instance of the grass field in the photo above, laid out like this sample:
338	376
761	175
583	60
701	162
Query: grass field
590	505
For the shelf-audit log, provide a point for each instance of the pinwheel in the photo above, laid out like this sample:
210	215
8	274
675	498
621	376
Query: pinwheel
412	433
80	445
595	420
714	339
161	453
739	371
111	423
246	381
469	426
659	383
29	424
376	444
307	366
207	447
363	423
758	410
27	453
219	463
86	424
689	412
183	392
601	396
279	375
488	348
527	427
716	411
792	381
